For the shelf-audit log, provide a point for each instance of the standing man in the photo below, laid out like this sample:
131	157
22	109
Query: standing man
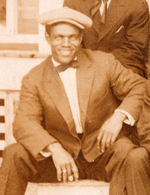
70	123
120	27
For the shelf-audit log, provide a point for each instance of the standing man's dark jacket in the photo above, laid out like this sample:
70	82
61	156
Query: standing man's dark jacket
125	32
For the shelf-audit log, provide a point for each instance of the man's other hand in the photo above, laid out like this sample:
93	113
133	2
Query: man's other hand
110	130
64	163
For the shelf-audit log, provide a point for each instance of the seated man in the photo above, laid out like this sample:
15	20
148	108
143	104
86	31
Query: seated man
70	122
120	27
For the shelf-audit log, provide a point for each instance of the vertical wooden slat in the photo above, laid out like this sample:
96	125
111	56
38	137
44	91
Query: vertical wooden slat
11	99
2	123
8	104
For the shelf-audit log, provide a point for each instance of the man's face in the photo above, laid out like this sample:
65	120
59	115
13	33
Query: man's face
65	40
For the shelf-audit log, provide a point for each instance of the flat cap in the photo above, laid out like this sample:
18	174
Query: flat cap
65	14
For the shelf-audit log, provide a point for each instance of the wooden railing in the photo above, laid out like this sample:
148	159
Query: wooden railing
8	106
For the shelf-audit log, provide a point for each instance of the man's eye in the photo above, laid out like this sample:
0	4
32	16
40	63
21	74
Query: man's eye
58	38
74	38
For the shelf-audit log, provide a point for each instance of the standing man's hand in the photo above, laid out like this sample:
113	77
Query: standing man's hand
64	163
110	130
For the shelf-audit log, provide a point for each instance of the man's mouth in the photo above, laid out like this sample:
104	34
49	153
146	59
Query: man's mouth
66	52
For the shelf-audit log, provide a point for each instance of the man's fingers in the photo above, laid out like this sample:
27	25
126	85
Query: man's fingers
113	138
70	178
103	143
75	171
59	174
69	172
105	140
108	140
99	138
64	175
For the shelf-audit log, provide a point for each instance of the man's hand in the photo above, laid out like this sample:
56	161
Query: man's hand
110	130
64	163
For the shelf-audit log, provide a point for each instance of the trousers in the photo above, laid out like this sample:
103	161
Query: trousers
124	165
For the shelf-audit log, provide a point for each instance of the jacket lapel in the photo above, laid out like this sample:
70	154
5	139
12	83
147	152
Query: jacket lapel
85	75
116	11
55	90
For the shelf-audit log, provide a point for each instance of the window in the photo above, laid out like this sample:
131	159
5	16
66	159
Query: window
19	28
27	16
3	17
19	25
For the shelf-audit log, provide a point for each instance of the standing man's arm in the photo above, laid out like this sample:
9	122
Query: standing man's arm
132	53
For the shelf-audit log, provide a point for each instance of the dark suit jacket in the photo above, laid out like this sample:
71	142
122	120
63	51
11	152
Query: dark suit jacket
44	113
125	32
144	121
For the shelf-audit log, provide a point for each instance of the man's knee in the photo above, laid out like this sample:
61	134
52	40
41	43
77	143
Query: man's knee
121	148
137	157
14	151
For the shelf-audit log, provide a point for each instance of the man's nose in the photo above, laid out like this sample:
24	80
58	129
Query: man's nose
66	41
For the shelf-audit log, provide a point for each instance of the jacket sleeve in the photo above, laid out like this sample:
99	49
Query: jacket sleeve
133	51
143	125
128	87
27	128
69	3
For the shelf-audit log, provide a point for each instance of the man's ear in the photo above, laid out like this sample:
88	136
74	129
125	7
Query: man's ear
81	36
47	37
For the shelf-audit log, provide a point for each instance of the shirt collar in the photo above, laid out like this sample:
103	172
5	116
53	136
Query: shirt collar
108	3
55	63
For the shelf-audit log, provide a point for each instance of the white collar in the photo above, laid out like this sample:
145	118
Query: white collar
55	63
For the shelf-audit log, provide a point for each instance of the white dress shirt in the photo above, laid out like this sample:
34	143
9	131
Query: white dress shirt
68	78
101	9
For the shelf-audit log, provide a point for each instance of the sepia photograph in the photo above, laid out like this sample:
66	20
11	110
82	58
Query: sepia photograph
74	97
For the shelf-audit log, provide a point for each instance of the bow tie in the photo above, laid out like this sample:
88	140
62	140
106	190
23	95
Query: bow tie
63	67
